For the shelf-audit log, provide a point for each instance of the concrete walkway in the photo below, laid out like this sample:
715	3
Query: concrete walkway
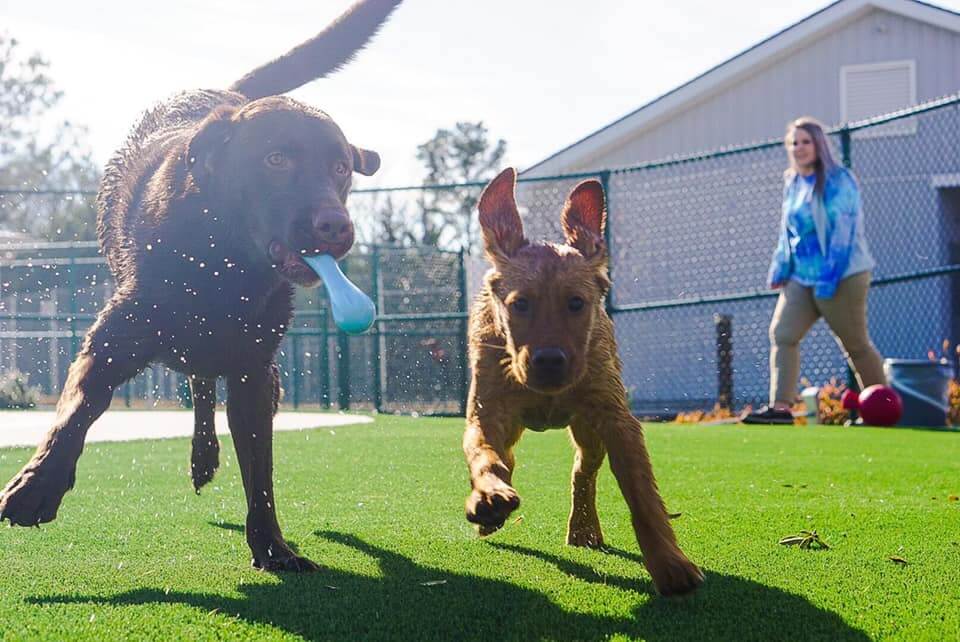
27	427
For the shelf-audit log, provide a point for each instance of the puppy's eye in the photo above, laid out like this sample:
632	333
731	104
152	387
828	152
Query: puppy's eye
575	304
341	169
520	305
277	160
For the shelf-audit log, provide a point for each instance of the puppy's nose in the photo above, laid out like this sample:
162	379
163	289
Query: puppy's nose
549	361
333	226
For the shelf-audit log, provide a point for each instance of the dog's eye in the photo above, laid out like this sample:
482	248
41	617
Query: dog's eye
277	160
520	305
341	169
575	304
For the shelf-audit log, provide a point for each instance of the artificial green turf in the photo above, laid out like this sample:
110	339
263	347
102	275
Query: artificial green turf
134	554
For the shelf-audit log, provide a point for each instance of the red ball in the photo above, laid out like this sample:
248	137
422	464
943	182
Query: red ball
849	400
880	405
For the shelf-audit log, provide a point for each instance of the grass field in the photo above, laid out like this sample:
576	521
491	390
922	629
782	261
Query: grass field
135	554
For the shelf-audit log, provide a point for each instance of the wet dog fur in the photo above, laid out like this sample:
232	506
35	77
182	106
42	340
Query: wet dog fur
542	355
203	216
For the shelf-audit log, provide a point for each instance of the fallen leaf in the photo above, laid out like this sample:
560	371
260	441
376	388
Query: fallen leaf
433	583
674	515
332	588
953	498
896	559
805	540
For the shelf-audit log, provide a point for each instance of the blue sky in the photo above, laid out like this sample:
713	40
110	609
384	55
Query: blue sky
541	74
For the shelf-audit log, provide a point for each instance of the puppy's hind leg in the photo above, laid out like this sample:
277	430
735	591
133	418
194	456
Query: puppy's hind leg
205	452
113	351
583	527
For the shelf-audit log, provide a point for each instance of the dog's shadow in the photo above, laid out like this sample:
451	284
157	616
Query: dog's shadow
410	601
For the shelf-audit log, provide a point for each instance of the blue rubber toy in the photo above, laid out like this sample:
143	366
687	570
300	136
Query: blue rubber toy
353	311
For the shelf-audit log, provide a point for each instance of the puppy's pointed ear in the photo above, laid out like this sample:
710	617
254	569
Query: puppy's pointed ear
499	218
584	219
365	161
207	144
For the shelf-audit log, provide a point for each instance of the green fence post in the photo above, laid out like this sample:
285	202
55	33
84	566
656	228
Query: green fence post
845	149
608	236
343	363
324	359
375	334
464	328
73	307
295	370
845	146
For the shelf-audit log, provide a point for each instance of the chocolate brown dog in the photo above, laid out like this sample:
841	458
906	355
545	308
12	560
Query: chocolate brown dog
203	216
543	355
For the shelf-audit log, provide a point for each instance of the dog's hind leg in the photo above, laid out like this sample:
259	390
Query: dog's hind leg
583	527
672	572
250	394
205	451
113	351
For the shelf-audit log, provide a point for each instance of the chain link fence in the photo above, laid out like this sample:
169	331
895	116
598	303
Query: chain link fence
690	241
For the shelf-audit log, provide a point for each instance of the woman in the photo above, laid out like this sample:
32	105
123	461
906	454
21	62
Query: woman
821	266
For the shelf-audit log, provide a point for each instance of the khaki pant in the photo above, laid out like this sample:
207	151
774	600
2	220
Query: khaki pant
846	314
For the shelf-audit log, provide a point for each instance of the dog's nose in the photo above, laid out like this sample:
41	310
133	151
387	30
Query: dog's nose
549	361
333	226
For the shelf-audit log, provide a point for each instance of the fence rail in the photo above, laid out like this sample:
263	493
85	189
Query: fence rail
690	238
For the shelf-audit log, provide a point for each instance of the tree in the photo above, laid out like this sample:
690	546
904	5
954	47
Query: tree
444	217
33	162
461	155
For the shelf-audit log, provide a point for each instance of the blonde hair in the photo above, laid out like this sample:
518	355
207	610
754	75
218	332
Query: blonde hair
824	163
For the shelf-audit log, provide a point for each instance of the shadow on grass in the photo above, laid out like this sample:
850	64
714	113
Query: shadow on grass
411	601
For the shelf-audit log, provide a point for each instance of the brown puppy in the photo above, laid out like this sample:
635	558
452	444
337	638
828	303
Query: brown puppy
203	216
543	355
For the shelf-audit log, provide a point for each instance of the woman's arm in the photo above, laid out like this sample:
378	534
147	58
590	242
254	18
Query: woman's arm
842	202
780	266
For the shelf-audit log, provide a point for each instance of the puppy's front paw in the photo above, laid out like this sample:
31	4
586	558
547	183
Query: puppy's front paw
673	574
586	535
490	504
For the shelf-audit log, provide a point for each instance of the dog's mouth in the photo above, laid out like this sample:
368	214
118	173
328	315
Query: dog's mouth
548	387
291	266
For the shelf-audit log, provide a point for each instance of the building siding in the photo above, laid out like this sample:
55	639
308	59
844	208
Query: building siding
806	81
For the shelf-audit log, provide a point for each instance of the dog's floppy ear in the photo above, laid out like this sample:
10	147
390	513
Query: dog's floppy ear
499	218
584	219
205	146
365	161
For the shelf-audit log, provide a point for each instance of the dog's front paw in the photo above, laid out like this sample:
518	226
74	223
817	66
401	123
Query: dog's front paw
279	558
32	498
204	461
490	505
673	574
291	564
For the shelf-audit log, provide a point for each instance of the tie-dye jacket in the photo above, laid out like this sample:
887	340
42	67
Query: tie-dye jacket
820	245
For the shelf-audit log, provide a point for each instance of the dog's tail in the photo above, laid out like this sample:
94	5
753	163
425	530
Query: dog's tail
323	54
